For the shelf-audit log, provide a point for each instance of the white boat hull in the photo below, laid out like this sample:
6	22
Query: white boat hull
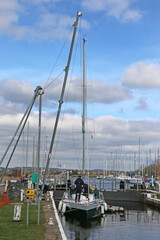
86	208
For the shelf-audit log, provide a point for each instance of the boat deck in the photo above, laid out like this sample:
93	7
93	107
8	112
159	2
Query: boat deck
82	205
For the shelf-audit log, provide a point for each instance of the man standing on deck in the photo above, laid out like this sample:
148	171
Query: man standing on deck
79	184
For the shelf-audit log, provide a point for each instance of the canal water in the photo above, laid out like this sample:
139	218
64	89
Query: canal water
138	222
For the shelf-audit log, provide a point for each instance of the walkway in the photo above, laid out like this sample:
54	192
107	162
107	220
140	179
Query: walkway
52	230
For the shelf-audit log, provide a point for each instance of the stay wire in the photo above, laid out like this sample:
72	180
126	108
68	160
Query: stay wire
76	48
54	80
46	86
66	99
74	138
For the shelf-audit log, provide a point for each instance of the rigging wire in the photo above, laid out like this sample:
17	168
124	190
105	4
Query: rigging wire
20	124
73	138
66	99
26	115
92	134
49	84
54	80
46	86
90	94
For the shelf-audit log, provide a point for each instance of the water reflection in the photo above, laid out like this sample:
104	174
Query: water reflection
81	229
134	223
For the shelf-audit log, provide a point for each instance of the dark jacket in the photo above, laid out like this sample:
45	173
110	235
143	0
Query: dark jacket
79	183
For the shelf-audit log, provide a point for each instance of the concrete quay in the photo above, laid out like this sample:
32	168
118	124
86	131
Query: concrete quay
54	229
151	199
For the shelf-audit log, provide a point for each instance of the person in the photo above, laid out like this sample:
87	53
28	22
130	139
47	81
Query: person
79	185
122	185
68	183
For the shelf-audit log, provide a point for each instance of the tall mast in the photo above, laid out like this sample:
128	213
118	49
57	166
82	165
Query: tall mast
84	105
27	148
79	14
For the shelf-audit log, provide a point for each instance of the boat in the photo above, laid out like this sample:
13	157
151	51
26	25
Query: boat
92	203
123	177
114	209
110	177
134	180
99	177
90	206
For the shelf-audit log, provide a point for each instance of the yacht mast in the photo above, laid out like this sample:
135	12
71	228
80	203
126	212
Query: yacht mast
84	105
79	14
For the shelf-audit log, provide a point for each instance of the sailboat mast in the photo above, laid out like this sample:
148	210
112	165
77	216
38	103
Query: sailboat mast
84	105
27	148
79	14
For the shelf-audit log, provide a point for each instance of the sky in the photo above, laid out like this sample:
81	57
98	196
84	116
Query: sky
122	74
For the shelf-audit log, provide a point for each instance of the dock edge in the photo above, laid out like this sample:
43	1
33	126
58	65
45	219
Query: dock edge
57	218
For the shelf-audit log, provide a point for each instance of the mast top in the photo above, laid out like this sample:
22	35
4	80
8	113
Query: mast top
79	14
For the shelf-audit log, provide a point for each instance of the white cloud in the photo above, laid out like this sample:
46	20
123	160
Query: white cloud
10	11
119	9
142	75
49	25
105	92
110	134
16	91
9	107
97	92
131	15
55	25
7	19
45	25
8	15
9	5
115	131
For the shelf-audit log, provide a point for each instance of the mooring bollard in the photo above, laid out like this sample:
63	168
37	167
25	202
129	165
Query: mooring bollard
47	194
17	213
22	194
50	221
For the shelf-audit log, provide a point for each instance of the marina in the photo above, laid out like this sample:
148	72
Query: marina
86	176
134	213
139	220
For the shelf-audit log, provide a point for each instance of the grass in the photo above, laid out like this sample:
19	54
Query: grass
10	230
158	196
